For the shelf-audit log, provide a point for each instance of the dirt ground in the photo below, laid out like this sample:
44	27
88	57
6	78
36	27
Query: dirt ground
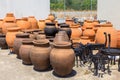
12	68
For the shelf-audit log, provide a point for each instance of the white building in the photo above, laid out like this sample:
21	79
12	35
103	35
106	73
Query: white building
109	10
23	8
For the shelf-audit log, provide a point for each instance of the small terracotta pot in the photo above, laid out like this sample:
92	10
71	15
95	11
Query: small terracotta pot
24	51
18	42
33	21
39	54
41	24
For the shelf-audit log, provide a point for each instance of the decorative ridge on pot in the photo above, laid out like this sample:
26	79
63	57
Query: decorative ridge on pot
13	28
41	42
22	35
50	24
36	30
62	44
106	25
27	41
28	31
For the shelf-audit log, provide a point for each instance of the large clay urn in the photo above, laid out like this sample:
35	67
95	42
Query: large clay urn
24	24
66	28
118	38
50	29
9	17
18	42
76	31
3	44
41	24
109	29
62	58
33	21
11	35
8	24
40	54
24	51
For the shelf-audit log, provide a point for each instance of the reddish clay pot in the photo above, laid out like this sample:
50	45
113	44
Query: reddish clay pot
8	24
76	31
18	42
24	24
108	28
9	17
3	43
89	32
11	35
66	28
41	24
61	56
33	21
24	51
40	54
118	38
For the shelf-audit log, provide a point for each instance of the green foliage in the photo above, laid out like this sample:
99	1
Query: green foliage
73	4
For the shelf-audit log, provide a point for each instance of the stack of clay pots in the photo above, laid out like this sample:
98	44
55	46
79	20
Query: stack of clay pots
62	55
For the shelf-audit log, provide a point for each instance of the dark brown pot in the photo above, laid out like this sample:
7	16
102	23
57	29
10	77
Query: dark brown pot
18	42
40	54
25	51
3	43
62	58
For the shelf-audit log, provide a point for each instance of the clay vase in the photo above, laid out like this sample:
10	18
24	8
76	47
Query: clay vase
108	28
50	29
51	17
3	44
62	58
9	17
8	24
33	21
66	27
40	54
41	24
24	51
24	24
118	38
76	31
11	35
18	42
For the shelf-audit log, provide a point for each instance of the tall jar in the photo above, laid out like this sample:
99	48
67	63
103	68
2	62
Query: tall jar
50	29
24	24
40	54
41	24
3	44
62	58
33	21
108	28
66	28
11	35
8	24
18	42
24	51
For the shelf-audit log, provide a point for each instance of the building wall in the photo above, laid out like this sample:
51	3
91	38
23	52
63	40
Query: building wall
109	10
38	8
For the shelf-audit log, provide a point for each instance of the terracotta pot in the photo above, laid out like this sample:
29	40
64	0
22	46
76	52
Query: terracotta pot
25	51
69	22
76	31
9	17
66	28
88	24
50	29
108	28
41	24
118	38
11	35
33	21
18	42
89	32
61	56
1	22
40	54
51	17
24	24
3	43
8	24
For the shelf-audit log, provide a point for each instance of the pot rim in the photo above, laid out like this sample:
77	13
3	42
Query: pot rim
40	41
